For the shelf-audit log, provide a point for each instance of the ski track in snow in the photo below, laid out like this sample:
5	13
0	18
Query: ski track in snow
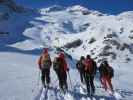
74	94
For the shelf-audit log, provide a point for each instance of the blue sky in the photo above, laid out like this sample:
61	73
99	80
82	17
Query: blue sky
105	6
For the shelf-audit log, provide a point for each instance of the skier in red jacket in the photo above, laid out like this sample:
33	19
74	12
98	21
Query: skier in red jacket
61	68
90	72
106	74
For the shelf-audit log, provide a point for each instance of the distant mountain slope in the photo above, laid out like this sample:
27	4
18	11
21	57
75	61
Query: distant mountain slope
102	35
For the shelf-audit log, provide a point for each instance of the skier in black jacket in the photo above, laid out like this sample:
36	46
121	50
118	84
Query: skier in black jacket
80	66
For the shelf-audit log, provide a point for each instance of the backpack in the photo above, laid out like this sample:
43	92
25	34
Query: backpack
89	66
106	70
94	67
79	65
110	71
46	61
57	64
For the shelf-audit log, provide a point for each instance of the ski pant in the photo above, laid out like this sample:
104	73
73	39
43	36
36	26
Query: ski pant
89	79
106	82
62	77
82	75
45	76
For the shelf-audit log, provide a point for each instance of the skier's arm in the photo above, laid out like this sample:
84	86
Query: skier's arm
77	65
66	66
112	72
39	62
50	60
95	68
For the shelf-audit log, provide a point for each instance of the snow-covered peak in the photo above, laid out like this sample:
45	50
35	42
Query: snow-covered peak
77	8
127	15
83	10
54	8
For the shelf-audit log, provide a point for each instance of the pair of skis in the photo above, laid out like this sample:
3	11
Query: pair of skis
62	92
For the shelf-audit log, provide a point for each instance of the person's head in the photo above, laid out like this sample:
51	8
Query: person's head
88	57
45	50
61	55
82	58
105	63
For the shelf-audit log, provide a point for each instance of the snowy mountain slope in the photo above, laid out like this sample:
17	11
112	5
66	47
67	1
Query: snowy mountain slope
104	31
103	36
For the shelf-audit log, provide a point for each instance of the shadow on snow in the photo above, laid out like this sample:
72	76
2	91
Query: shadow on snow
16	35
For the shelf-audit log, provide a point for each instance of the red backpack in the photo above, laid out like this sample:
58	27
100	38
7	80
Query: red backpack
89	66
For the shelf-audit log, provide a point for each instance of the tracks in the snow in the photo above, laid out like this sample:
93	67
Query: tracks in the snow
75	94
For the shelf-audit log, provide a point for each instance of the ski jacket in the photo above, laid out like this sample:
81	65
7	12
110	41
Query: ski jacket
106	71
80	65
56	64
90	66
64	66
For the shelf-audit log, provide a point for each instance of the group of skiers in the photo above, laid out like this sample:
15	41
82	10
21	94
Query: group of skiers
86	67
59	66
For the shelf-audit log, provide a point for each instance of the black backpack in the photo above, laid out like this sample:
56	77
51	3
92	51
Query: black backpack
94	67
56	64
110	71
80	65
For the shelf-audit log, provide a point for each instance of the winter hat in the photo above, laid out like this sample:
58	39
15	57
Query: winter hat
82	58
105	63
88	56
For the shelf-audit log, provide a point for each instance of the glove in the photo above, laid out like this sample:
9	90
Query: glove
40	67
67	69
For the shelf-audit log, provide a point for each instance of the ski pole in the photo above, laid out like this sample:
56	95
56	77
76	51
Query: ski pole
70	80
38	78
37	84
